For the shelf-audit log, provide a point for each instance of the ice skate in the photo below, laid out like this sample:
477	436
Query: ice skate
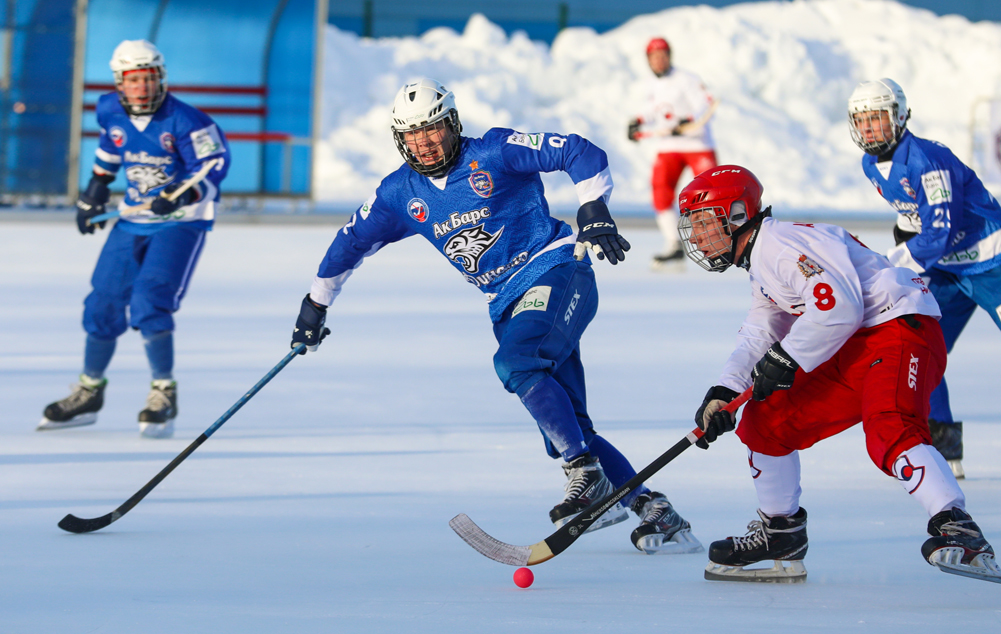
780	539
586	484
157	420
661	531
957	546
948	439
79	408
669	261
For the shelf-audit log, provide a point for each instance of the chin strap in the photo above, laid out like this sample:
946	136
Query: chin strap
754	225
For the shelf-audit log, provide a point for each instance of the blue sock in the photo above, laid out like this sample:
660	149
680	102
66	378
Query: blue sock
616	466
160	352
550	406
97	355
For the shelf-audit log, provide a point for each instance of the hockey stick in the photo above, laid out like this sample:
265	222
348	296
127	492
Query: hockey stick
74	524
193	180
689	127
568	533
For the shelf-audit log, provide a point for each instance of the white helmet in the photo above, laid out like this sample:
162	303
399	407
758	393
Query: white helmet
136	55
421	108
881	95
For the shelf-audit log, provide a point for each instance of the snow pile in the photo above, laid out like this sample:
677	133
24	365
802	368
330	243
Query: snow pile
783	72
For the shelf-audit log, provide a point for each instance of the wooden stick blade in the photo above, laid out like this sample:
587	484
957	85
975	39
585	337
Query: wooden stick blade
496	549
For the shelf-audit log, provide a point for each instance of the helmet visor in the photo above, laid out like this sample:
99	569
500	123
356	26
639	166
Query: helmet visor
705	234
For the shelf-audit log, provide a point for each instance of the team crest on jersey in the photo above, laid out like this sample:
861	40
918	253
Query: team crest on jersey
482	183
147	177
167	141
875	183
418	209
469	245
118	136
808	267
909	475
906	184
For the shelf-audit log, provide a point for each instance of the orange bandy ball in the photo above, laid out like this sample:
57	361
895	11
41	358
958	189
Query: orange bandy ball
523	577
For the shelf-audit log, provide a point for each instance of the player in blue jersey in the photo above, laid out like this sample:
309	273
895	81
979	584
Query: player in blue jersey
948	228
145	267
480	203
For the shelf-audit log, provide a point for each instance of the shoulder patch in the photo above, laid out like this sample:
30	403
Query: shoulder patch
530	140
937	186
808	267
206	142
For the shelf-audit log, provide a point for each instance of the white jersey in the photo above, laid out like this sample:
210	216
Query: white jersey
676	96
813	286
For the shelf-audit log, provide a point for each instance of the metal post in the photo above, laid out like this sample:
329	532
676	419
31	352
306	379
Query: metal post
76	107
367	18
564	17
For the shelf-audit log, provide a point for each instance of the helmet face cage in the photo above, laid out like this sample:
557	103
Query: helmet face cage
712	224
890	132
153	101
450	144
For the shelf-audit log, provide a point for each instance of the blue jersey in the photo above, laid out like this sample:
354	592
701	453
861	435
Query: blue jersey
156	151
488	216
957	220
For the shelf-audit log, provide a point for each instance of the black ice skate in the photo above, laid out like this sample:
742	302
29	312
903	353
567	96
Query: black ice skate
77	409
669	261
958	546
661	531
777	538
948	439
157	420
586	484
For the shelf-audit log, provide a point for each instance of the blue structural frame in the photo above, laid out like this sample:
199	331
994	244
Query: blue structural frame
235	43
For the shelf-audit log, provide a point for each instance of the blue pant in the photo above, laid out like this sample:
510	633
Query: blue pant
140	281
958	297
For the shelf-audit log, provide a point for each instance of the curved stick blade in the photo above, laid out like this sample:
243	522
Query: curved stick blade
496	549
74	524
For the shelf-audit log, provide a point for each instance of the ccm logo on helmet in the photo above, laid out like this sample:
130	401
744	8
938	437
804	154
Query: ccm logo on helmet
725	171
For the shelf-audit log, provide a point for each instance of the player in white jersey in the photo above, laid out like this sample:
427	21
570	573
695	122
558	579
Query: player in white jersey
835	336
674	122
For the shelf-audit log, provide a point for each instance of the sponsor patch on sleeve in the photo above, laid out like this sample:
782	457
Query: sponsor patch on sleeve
530	140
535	298
206	142
937	186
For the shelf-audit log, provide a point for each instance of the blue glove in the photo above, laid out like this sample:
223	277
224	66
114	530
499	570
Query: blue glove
309	328
92	201
598	233
162	207
775	371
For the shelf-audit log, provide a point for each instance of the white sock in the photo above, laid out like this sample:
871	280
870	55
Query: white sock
776	480
926	475
667	222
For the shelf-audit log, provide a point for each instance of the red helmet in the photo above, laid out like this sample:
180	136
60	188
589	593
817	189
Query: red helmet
658	44
733	195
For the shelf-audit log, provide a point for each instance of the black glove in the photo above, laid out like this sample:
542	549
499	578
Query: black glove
900	236
680	128
162	207
598	233
775	371
716	421
634	130
309	328
92	201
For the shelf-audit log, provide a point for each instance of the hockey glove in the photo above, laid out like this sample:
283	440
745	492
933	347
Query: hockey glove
775	371
92	201
598	233
901	236
634	130
309	328
161	206
711	418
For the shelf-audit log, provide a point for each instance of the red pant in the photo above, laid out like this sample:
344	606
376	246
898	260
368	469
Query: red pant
667	170
883	376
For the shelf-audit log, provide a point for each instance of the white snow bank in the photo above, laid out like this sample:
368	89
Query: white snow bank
783	71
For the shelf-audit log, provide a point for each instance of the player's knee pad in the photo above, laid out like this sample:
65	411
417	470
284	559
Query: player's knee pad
519	372
104	316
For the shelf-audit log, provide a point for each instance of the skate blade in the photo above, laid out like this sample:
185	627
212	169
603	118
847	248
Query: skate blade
794	572
157	430
957	469
612	516
983	566
77	421
681	543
